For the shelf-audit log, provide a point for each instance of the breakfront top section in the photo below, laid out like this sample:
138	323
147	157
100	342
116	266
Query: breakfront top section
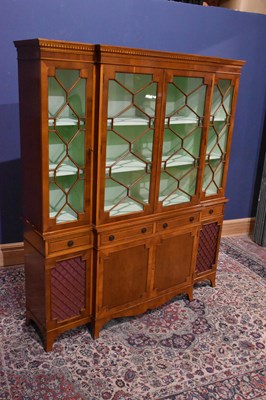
120	132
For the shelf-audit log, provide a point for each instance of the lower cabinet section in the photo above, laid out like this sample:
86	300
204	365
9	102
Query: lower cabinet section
58	292
122	275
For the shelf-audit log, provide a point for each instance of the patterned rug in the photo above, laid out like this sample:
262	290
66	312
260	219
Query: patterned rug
212	348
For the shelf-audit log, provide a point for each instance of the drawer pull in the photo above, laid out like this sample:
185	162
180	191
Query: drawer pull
211	211
143	230
191	219
111	238
70	243
165	225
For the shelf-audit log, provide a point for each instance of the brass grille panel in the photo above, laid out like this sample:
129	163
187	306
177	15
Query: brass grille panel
68	288
208	241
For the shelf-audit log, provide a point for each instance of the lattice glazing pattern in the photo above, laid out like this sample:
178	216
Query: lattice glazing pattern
182	136
218	135
66	125
130	132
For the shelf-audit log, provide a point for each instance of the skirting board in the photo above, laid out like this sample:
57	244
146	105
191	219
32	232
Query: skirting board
235	227
13	253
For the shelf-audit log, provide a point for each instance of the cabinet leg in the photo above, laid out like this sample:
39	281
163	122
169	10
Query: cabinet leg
213	280
190	293
49	340
96	327
28	318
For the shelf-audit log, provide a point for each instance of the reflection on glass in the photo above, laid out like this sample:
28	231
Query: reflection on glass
66	124
130	133
218	136
182	137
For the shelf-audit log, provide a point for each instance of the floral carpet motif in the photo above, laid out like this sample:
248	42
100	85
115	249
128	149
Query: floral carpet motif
212	348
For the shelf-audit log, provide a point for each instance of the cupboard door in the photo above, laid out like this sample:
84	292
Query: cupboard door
130	122
173	261
219	136
69	138
181	146
124	276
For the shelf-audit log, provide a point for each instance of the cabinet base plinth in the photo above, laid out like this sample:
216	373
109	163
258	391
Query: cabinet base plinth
138	309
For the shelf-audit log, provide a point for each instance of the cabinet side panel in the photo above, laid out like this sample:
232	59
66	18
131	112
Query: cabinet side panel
35	285
31	147
125	276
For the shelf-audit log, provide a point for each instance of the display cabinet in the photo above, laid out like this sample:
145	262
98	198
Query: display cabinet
125	155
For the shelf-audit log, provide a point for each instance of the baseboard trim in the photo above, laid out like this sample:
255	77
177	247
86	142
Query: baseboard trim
237	227
13	253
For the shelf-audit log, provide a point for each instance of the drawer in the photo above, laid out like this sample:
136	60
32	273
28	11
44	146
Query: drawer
185	220
212	211
69	243
126	234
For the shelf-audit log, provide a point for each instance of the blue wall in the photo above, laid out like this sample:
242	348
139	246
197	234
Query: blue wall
151	24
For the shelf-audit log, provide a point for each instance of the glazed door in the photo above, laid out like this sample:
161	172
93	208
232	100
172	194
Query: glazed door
69	140
128	128
219	136
183	128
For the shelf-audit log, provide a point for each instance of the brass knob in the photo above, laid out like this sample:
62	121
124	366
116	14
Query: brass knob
111	238
211	211
143	230
191	219
165	225
70	243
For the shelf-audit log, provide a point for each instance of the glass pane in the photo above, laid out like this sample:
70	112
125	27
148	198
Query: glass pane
185	98
133	82
146	99
130	133
66	128
119	100
182	138
114	193
213	175
67	77
222	100
56	96
218	137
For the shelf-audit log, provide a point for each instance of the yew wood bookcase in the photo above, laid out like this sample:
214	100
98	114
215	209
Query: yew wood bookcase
125	156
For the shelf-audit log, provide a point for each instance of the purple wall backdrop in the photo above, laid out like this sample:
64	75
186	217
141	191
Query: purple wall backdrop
151	24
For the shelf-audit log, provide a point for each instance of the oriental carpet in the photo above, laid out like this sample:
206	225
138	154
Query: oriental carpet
212	348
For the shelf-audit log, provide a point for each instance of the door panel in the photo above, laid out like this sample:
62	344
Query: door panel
129	128
125	274
217	152
173	261
183	132
69	137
